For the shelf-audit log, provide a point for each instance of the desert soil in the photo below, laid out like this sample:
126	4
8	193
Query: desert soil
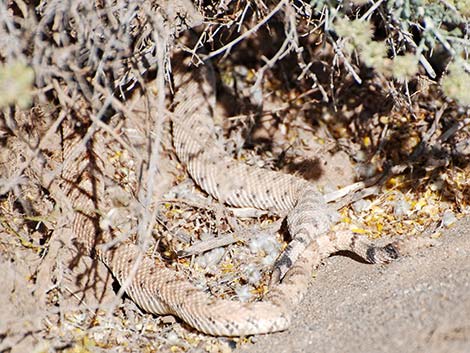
420	303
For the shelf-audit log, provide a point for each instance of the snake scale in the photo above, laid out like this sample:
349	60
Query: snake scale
161	290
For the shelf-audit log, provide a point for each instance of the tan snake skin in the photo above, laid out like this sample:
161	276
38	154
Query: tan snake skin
160	290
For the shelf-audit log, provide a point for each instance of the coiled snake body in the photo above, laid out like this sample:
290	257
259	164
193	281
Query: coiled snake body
160	290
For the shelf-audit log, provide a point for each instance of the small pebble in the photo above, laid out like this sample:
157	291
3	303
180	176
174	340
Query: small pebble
401	208
253	274
265	243
448	218
269	260
361	205
210	258
243	293
173	338
366	170
360	156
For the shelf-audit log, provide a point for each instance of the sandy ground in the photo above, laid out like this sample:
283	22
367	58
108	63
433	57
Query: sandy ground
420	303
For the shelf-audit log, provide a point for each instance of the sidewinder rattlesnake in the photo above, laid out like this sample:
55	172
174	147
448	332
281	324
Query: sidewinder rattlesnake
160	290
